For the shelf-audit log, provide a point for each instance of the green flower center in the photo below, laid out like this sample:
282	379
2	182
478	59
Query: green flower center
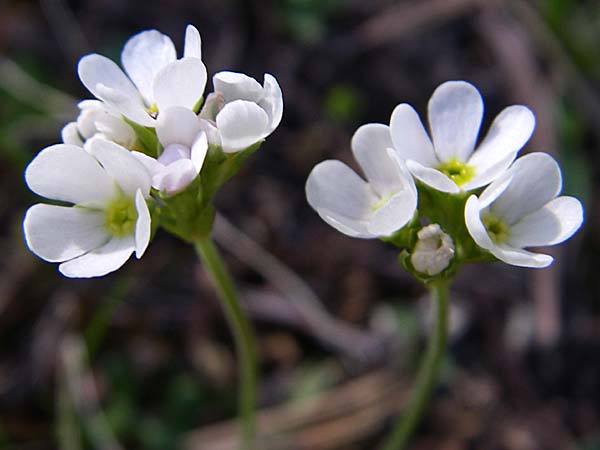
382	201
496	228
457	171
120	217
153	110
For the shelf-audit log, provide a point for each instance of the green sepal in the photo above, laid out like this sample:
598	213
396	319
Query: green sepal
147	141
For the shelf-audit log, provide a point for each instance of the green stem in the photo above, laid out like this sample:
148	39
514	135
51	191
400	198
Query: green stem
242	333
427	375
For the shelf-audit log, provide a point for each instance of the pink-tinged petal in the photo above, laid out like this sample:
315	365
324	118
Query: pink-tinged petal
175	177
100	261
59	233
455	113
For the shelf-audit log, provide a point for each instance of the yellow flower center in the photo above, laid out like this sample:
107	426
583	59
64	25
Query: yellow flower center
120	217
457	171
496	228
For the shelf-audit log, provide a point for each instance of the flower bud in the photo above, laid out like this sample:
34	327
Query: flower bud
434	250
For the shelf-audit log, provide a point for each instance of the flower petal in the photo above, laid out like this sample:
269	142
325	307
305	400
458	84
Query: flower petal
177	125
350	227
131	107
369	146
101	261
520	257
193	44
69	174
143	56
335	187
474	224
455	112
199	151
410	138
180	83
392	216
237	86
175	177
272	101
151	164
536	180
554	223
59	233
241	124
70	134
142	225
124	168
509	132
432	177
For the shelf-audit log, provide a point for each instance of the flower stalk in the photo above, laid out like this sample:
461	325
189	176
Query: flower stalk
243	335
427	375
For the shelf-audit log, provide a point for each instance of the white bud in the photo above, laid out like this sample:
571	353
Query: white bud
434	250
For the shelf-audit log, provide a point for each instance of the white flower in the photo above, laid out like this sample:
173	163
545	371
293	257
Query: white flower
185	146
109	220
96	120
521	209
450	164
155	78
366	209
242	112
433	251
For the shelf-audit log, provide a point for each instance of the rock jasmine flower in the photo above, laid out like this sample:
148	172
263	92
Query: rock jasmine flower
374	208
154	78
241	112
185	146
449	161
521	209
109	219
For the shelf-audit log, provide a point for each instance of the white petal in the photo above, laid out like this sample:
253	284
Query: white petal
177	125
116	130
335	187
180	83
272	101
494	190
199	150
96	71
70	134
241	124
410	138
124	168
432	177
69	174
59	233
151	164
369	146
491	174
143	56
392	216
193	44
101	261
212	132
509	132
356	228
535	181
455	112
142	225
175	177
556	222
237	86
520	257
475	225
131	107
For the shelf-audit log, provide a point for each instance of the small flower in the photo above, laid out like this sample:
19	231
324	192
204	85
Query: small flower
155	78
365	209
434	250
521	209
96	120
450	164
109	220
185	146
241	112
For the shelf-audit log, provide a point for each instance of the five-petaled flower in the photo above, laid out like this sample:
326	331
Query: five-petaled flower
450	163
109	219
521	209
365	209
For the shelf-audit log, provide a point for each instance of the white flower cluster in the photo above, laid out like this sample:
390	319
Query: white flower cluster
145	136
520	206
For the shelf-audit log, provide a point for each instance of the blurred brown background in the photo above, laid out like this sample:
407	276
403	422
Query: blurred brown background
142	359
